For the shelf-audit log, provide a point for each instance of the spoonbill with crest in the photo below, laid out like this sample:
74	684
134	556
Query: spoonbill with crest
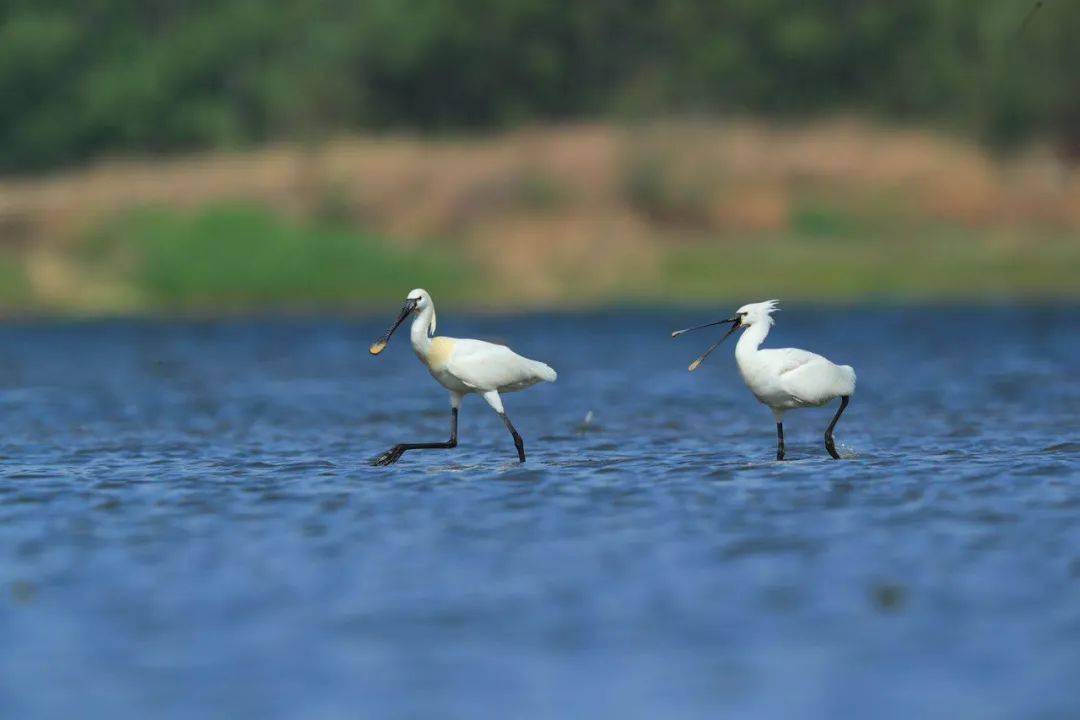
462	367
783	379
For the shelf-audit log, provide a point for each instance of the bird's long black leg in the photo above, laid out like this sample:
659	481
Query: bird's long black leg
394	454
518	442
779	441
829	444
491	397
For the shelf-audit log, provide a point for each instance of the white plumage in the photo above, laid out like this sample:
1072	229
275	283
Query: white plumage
784	378
463	367
478	366
791	378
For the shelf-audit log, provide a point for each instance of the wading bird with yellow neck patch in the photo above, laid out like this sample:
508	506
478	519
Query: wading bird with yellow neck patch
783	379
463	367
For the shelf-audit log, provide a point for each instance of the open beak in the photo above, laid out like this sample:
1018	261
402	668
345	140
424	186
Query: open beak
677	333
735	325
379	345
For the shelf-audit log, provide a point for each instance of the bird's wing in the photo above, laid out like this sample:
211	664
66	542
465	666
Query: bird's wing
486	366
808	377
786	360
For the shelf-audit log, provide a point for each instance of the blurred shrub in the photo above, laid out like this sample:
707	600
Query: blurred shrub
816	220
654	185
539	192
235	256
78	79
15	288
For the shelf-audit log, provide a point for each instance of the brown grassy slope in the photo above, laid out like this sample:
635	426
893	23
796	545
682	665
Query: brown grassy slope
589	211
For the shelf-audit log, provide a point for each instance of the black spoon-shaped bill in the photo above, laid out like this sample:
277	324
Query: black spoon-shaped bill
379	345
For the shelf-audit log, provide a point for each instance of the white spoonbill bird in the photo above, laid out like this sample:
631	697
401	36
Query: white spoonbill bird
785	378
462	367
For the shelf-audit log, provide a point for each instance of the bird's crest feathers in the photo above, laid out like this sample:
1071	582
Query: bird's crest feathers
770	306
761	310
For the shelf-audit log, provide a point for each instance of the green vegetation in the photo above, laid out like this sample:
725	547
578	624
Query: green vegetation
83	79
242	257
15	288
931	264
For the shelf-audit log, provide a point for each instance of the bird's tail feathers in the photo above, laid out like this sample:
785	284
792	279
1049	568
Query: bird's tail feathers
545	372
850	372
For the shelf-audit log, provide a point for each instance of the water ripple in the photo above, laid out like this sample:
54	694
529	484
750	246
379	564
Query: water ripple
190	524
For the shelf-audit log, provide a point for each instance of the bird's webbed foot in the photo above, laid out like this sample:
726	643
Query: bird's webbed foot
389	457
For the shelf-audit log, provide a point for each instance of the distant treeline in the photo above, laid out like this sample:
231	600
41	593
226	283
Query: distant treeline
82	78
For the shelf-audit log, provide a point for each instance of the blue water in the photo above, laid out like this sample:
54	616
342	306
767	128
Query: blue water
189	526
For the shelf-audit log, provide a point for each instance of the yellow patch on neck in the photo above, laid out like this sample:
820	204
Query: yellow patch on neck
439	352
